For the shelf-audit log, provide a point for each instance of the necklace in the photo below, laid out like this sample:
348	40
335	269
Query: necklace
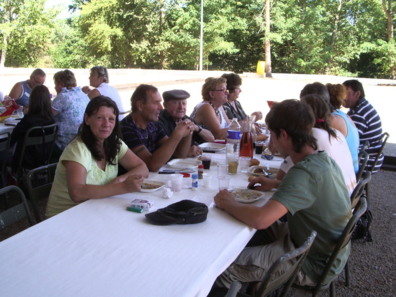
215	110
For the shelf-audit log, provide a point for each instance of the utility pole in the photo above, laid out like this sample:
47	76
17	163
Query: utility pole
201	37
267	44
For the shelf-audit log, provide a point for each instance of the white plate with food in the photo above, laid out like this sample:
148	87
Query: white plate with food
212	147
184	163
247	195
151	186
263	171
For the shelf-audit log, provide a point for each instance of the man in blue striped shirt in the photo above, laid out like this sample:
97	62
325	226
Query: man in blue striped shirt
366	120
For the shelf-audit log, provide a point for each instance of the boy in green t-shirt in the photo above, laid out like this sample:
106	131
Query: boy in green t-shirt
312	194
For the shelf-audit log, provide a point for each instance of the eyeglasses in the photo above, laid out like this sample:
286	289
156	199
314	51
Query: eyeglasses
221	90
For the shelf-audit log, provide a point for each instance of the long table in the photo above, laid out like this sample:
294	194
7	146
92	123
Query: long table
99	249
5	128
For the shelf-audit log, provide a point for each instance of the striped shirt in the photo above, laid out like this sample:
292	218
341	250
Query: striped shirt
368	123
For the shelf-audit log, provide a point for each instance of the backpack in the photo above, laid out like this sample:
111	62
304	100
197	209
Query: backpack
362	227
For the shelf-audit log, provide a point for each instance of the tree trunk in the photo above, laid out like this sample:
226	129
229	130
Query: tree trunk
267	45
388	14
333	37
3	52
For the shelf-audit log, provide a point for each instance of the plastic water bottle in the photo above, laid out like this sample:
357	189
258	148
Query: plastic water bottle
234	134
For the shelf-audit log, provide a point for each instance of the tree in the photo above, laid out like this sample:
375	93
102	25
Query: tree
25	30
387	6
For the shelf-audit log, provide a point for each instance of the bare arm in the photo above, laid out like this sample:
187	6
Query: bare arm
80	191
205	134
16	91
134	166
253	216
207	117
93	93
168	145
338	123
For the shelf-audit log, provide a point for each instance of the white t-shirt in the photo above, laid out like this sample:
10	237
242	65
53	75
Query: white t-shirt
337	148
106	90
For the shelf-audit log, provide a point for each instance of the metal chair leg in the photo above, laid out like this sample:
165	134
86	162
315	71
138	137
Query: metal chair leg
332	289
346	269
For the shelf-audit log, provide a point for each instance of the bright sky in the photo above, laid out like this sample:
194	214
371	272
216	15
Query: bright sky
64	4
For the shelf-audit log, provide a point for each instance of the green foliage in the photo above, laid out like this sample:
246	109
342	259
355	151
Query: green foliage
307	36
26	28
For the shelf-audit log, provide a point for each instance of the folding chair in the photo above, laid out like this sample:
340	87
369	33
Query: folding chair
363	159
384	139
344	239
272	282
18	211
359	189
4	146
39	183
41	137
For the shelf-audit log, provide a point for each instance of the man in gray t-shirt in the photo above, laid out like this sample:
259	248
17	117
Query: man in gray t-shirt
313	195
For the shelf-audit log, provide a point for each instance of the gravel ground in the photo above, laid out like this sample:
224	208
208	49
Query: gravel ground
372	264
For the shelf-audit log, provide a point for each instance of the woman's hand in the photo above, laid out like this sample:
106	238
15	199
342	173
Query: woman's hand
133	183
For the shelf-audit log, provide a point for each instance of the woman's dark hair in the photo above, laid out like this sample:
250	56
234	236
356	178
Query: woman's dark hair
321	111
40	102
233	80
297	119
113	143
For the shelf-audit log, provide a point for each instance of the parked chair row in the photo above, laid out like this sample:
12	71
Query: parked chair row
281	284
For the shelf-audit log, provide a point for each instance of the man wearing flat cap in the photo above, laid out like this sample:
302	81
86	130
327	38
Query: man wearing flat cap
175	105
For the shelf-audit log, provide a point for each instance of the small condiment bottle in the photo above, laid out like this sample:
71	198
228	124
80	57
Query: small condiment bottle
194	181
200	171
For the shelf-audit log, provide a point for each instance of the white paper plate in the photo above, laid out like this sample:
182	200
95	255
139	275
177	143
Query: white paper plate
184	163
151	186
212	147
257	171
247	196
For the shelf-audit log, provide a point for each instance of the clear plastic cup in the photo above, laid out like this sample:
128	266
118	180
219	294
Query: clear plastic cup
176	182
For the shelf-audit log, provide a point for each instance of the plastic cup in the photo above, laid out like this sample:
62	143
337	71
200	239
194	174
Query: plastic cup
224	183
244	164
258	147
222	170
206	180
206	162
176	182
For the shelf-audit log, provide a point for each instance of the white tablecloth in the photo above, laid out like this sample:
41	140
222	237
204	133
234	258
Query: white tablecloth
5	128
99	249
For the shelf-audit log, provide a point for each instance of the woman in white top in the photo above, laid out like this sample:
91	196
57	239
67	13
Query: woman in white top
99	79
210	113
